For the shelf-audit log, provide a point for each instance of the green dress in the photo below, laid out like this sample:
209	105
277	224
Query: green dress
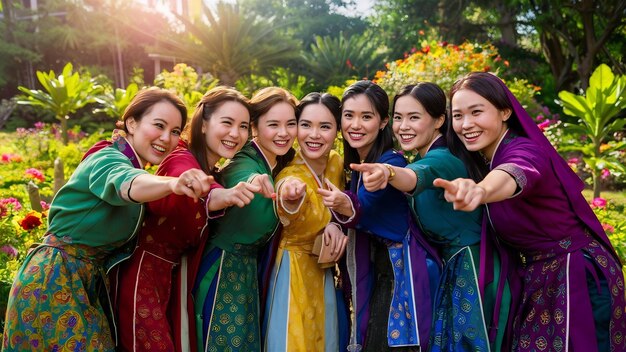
462	312
226	294
59	298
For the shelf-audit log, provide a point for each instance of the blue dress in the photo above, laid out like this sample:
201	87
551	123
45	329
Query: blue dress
391	271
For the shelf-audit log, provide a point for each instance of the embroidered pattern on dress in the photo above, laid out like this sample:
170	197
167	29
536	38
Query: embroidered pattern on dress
516	172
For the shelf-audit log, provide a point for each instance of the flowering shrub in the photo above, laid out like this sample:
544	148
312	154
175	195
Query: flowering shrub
612	216
441	63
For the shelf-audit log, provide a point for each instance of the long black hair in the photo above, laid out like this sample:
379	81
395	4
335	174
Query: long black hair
481	83
331	102
432	98
380	102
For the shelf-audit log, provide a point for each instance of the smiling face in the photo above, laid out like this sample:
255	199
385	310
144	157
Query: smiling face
226	131
276	130
317	131
477	122
156	133
413	126
360	123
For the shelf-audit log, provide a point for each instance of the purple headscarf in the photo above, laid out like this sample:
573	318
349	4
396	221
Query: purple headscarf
572	184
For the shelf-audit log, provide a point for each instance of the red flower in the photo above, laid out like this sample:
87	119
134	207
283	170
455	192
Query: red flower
349	63
426	49
31	220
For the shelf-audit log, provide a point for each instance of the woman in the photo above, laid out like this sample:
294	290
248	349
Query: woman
59	296
419	122
226	290
389	270
569	270
175	225
308	197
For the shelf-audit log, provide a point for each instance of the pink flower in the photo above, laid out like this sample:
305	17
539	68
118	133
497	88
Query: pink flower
542	126
9	203
605	174
35	174
10	157
573	161
608	228
9	250
45	206
598	203
39	125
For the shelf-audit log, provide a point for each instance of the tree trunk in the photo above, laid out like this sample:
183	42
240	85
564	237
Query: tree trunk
507	25
33	196
596	183
59	175
64	134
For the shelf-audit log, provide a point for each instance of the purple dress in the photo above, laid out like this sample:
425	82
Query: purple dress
564	255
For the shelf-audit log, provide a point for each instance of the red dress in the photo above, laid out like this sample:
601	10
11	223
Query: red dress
152	289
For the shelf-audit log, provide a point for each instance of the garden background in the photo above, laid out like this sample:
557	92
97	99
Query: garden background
68	68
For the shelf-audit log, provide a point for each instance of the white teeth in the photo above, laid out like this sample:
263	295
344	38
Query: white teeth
229	144
280	143
158	147
356	135
407	137
471	135
314	145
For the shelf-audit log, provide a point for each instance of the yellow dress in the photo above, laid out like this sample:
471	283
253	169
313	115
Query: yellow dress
301	312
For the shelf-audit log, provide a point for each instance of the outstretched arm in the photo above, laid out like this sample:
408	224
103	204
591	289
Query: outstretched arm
193	183
467	195
377	176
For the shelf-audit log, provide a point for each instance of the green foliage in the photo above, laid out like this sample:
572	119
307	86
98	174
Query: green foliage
305	19
612	215
186	82
333	60
232	44
597	110
63	94
115	100
297	84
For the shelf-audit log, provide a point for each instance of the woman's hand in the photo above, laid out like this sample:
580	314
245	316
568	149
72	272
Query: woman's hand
267	188
334	237
374	176
193	183
240	195
334	198
463	193
292	189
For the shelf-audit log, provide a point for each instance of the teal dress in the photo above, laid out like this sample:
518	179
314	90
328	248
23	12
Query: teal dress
462	311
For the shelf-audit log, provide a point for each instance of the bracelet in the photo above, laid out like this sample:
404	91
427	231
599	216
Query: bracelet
392	173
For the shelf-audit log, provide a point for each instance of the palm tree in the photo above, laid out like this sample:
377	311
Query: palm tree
333	60
232	44
63	94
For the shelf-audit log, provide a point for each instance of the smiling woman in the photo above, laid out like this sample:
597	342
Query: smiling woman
151	294
226	294
309	196
58	298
